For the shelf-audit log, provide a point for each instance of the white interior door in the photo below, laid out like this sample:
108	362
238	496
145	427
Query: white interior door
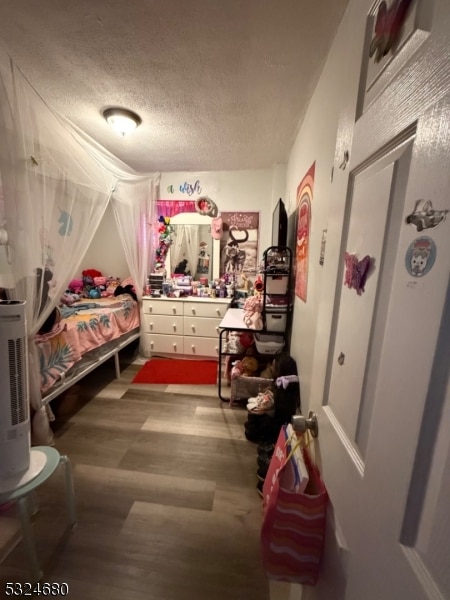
384	440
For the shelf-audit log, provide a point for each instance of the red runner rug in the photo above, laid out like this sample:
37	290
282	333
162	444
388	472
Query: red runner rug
173	370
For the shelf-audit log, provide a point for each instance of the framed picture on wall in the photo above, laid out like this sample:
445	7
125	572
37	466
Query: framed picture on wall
239	243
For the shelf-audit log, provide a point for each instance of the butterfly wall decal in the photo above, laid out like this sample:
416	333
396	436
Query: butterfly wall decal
388	26
356	272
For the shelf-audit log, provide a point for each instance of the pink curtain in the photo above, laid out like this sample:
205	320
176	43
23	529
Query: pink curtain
170	208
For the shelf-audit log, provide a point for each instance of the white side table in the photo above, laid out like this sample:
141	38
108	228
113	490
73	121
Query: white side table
48	459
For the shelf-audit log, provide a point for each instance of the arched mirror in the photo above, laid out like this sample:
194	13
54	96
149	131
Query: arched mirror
193	251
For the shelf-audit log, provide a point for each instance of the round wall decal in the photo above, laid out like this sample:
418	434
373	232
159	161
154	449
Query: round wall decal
420	256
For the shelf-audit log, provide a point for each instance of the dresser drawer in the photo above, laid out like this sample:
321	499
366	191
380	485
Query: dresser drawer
198	346
205	309
163	324
198	326
167	344
162	307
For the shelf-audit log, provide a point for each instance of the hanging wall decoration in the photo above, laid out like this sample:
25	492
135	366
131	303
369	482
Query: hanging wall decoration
356	272
424	216
205	206
420	256
388	27
239	242
165	231
304	200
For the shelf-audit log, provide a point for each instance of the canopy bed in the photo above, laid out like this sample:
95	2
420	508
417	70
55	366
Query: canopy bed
55	185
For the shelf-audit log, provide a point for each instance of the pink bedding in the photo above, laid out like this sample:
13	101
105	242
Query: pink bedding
91	324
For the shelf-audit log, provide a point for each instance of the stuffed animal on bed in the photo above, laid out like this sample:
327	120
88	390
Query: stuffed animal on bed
128	289
111	285
100	284
91	273
76	286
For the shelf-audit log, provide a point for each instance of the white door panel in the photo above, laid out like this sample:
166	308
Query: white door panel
389	484
369	209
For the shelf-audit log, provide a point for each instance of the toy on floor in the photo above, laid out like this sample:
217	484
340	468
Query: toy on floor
237	369
249	366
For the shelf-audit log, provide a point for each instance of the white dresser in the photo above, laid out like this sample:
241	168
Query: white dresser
182	326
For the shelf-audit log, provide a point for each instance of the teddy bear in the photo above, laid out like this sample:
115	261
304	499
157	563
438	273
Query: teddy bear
249	366
75	286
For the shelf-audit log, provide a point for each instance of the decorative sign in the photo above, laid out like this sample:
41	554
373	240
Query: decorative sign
424	216
189	185
420	256
304	199
188	188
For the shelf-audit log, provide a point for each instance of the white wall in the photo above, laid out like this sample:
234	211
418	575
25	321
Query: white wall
105	252
324	135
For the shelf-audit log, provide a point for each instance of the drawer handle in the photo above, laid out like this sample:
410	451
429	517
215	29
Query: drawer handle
151	344
193	311
174	309
174	345
174	327
193	327
218	311
217	329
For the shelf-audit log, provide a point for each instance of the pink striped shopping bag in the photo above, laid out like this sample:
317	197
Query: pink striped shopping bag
293	527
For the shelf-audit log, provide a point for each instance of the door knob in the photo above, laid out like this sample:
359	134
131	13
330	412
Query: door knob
301	424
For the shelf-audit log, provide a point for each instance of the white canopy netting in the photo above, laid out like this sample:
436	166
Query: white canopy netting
55	185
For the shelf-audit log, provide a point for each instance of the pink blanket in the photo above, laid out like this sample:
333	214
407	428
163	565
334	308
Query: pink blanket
89	327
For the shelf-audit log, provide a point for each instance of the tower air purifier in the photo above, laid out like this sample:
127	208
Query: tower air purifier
14	401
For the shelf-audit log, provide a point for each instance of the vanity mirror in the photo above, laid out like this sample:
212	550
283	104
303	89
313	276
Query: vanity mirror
193	251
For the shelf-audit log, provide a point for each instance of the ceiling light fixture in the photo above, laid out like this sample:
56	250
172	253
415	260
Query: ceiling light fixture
122	120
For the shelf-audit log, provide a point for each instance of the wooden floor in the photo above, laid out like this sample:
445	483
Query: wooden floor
166	498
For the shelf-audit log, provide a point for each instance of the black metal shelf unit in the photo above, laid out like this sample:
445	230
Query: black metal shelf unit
277	291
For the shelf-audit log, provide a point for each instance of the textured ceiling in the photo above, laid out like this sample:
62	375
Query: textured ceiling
219	84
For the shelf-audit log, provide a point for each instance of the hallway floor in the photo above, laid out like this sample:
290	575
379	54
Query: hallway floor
166	499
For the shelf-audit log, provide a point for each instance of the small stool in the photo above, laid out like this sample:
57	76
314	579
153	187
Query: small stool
51	460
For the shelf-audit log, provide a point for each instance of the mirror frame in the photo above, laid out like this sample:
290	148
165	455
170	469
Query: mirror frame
194	218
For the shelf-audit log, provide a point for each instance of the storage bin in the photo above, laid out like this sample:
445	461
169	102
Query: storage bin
268	344
243	388
276	321
276	284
